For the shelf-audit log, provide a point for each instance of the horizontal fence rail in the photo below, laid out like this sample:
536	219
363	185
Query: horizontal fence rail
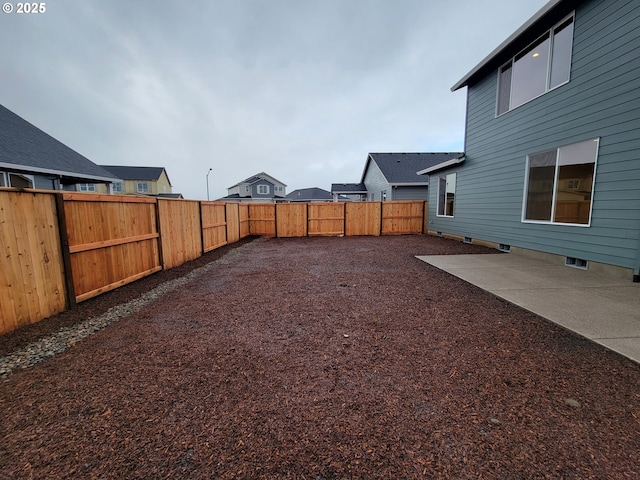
60	248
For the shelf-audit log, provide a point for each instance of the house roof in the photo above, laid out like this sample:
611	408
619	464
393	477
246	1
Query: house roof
257	177
541	16
402	168
440	166
125	172
346	188
309	194
26	148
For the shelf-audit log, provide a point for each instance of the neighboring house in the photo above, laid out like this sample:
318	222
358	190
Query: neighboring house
139	180
310	195
552	143
30	158
350	192
260	187
393	176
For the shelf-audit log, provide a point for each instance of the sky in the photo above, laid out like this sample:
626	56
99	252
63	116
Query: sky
300	89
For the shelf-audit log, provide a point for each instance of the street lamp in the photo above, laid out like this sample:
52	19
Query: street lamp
208	183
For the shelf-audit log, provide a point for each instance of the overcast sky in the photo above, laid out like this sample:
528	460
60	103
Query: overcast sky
300	89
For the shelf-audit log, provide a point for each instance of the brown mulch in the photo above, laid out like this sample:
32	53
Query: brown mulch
321	358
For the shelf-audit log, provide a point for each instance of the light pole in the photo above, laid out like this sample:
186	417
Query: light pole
208	183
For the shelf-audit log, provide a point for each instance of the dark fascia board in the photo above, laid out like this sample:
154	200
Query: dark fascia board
442	166
25	169
464	81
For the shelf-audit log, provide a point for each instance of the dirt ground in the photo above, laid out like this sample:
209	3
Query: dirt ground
321	358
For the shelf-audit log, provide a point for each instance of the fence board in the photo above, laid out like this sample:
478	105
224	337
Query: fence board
181	231
243	216
32	283
113	240
233	222
262	219
291	219
402	217
362	218
326	218
214	225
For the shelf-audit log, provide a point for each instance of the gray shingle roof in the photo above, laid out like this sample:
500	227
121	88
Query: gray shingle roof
24	147
309	194
401	168
348	188
125	172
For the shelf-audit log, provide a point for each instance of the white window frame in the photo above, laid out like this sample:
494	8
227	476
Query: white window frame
117	187
87	187
145	189
446	179
4	180
548	88
263	189
555	188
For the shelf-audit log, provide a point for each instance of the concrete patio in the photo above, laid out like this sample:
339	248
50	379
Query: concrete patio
600	307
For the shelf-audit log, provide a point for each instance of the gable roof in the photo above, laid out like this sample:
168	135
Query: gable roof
125	172
346	188
309	194
26	148
402	168
257	177
550	10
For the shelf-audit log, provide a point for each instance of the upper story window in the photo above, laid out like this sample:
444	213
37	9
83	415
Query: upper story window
446	195
263	189
539	68
559	184
142	187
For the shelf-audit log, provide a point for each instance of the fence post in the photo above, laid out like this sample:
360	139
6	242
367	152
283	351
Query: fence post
66	255
159	231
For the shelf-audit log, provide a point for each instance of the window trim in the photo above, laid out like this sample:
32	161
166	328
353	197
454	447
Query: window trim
147	188
89	187
523	218
265	187
550	32
440	178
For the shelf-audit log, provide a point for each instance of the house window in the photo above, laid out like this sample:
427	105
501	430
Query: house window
142	187
247	188
87	187
263	189
539	68
446	195
117	187
3	180
559	184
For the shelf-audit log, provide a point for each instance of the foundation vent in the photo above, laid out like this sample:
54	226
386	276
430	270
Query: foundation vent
576	262
503	247
468	239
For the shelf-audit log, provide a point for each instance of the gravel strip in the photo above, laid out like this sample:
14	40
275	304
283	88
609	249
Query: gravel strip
58	342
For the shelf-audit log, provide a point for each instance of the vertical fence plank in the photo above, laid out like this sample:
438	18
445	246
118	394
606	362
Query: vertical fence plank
243	218
233	222
402	217
214	225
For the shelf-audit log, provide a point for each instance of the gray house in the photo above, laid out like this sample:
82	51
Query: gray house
393	176
30	158
257	188
552	143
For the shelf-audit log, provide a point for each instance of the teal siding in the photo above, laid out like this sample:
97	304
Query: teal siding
409	193
601	100
376	183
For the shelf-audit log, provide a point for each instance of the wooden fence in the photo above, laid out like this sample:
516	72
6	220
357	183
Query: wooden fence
62	248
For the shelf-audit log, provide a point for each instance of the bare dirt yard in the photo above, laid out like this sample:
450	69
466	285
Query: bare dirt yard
320	358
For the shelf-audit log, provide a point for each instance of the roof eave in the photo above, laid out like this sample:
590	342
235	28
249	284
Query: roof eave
28	169
534	19
442	166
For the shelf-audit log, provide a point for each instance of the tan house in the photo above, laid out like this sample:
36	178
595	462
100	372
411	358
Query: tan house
134	180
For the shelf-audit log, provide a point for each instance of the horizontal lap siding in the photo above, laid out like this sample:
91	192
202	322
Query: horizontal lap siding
601	100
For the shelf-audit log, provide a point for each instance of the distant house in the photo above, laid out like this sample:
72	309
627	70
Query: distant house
552	160
139	180
257	188
350	192
393	176
310	195
30	158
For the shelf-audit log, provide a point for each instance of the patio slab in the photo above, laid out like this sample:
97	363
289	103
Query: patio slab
601	308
